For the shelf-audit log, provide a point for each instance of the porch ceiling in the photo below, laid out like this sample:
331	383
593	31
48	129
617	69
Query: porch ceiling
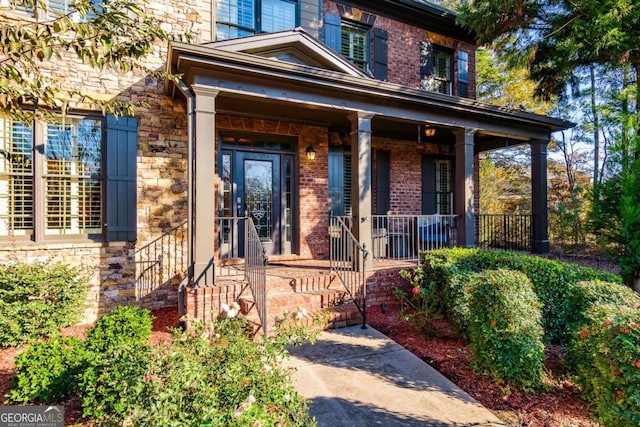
255	86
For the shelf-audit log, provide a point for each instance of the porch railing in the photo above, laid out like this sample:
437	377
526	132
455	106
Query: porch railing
347	257
161	260
511	232
403	237
255	271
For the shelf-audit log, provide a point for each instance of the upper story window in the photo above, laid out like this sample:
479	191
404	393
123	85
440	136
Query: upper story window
55	178
355	45
241	18
436	69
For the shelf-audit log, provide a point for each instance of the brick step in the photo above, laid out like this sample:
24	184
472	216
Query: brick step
277	284
322	302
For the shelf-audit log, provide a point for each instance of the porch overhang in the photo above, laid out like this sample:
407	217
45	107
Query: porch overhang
304	93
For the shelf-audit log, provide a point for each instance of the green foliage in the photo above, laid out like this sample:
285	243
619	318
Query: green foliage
551	279
422	303
120	356
111	384
46	372
606	358
38	298
124	326
505	328
216	375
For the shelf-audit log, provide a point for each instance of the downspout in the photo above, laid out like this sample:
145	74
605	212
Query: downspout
188	94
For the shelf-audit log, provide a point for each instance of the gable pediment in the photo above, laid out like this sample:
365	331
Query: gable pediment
293	46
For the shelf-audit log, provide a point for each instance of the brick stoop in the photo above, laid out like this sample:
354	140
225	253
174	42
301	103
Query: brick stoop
317	295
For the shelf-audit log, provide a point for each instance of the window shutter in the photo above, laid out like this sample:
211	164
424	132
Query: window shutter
428	185
332	32
380	40
121	192
427	80
463	74
383	182
336	182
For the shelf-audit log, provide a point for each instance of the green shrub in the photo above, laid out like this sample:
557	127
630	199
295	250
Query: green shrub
120	350
124	326
111	385
38	298
217	375
46	372
505	329
606	359
551	279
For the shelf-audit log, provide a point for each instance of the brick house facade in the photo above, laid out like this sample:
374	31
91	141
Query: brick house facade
268	99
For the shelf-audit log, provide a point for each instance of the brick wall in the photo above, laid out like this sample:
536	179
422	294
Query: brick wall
404	46
406	172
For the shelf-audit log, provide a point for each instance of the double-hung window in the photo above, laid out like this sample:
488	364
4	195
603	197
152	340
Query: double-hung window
355	45
436	69
55	179
241	18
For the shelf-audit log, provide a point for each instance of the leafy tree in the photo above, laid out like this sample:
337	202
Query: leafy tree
108	36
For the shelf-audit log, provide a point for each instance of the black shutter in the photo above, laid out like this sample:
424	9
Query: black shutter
463	74
333	32
383	182
380	40
120	197
336	182
426	66
428	185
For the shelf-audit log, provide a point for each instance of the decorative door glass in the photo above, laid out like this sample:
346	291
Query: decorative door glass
258	185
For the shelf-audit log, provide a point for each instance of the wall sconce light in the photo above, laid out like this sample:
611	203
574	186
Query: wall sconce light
429	131
311	153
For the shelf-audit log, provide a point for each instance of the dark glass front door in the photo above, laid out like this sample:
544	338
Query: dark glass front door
260	185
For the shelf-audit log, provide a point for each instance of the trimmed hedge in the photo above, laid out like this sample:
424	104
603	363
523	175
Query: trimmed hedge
552	280
605	355
506	329
588	311
38	298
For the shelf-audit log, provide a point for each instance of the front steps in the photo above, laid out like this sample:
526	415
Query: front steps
315	294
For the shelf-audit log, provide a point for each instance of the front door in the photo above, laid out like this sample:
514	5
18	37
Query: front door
261	186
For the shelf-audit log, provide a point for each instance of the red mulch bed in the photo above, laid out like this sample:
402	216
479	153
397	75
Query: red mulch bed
559	406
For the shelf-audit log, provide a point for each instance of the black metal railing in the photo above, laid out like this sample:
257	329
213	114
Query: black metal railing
255	271
403	237
347	260
511	232
161	261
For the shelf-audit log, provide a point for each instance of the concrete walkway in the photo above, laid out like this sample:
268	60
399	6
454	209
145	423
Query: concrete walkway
355	377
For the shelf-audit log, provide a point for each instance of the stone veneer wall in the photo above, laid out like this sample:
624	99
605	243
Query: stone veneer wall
162	185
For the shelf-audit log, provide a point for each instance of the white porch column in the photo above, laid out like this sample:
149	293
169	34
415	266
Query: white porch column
202	221
464	187
539	196
361	159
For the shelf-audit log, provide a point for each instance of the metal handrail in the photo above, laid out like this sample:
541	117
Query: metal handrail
347	260
161	260
255	272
